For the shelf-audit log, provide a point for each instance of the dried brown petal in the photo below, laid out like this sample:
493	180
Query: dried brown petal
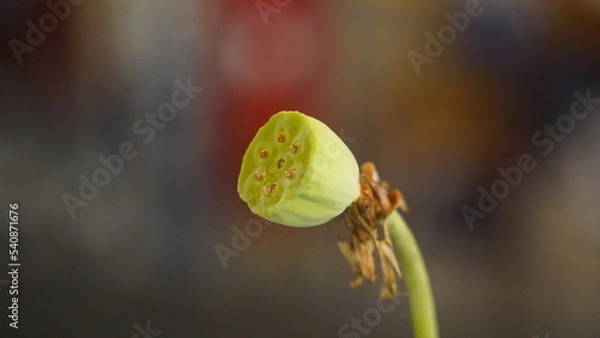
374	204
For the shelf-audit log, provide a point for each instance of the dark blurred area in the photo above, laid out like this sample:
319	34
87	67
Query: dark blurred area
181	87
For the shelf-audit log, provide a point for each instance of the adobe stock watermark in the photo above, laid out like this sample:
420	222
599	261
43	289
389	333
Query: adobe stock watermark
146	129
446	35
47	24
240	240
545	140
334	149
145	331
267	7
371	318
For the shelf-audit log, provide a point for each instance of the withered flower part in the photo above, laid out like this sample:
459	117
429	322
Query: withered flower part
365	220
298	172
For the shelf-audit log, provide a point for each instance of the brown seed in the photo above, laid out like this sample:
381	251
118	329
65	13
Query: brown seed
289	173
259	174
293	148
280	163
264	153
280	138
269	188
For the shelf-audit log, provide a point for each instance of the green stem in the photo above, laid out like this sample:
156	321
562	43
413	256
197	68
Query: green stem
415	274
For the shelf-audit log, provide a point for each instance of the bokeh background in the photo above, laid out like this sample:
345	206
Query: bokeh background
144	248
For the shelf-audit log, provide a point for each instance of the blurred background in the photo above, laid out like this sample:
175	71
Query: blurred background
138	257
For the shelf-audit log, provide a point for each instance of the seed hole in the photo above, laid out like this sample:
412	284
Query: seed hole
259	174
269	188
294	148
280	138
264	153
289	173
280	163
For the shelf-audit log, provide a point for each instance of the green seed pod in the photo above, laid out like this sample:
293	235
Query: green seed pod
298	172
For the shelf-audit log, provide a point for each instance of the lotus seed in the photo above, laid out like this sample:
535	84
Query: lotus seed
259	174
269	188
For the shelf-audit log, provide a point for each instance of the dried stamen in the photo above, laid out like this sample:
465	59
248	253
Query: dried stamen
375	203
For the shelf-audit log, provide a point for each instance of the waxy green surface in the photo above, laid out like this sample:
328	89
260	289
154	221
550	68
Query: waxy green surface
298	172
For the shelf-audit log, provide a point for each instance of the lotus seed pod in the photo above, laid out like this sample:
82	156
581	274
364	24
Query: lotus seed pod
298	172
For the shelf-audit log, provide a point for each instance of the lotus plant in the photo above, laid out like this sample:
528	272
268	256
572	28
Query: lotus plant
298	172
